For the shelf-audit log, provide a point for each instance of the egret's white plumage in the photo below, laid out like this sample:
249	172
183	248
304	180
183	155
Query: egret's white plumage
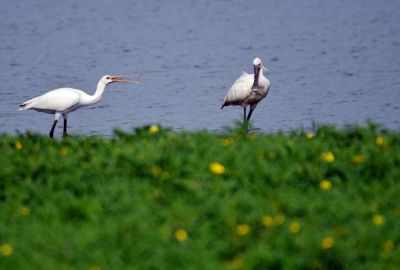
248	89
62	101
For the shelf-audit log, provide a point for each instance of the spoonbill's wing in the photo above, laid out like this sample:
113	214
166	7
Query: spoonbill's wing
240	89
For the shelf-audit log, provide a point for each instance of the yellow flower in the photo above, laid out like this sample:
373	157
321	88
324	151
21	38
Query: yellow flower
328	157
341	230
388	245
63	151
237	263
378	220
279	219
227	141
154	129
24	210
6	250
327	243
242	229
18	145
217	168
156	170
294	227
267	221
271	155
358	159
325	184
252	136
309	135
380	141
164	175
181	235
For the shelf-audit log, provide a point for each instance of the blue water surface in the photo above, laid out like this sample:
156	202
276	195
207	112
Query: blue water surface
330	61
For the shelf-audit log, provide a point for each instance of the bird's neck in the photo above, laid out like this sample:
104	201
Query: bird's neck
256	82
261	74
96	97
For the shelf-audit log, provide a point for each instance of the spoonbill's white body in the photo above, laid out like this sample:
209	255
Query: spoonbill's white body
62	101
248	90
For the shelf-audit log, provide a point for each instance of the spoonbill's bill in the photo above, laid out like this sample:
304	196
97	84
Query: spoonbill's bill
248	90
62	101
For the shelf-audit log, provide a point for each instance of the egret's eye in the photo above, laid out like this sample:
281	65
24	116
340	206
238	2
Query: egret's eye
108	78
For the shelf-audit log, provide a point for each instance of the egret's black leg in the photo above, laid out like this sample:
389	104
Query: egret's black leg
65	134
52	129
250	112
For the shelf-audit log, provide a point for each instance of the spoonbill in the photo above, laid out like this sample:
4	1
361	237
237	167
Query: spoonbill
248	90
62	101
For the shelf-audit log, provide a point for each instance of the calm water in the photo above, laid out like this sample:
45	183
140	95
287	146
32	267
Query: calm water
331	61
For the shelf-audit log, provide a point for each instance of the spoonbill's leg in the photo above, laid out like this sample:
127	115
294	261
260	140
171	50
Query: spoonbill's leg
252	108
244	115
56	117
250	112
65	116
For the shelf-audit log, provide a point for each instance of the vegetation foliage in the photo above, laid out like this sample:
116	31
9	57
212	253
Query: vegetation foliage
156	199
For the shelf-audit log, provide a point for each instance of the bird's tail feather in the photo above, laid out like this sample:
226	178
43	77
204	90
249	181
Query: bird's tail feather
223	105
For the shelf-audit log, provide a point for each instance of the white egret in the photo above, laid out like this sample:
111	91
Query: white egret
62	101
248	90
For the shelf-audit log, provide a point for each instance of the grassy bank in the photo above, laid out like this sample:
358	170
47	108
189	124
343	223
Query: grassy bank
154	199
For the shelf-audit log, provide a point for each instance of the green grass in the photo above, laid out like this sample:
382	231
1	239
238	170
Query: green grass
146	200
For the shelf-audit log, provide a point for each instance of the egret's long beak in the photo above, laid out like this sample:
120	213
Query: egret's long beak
120	79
